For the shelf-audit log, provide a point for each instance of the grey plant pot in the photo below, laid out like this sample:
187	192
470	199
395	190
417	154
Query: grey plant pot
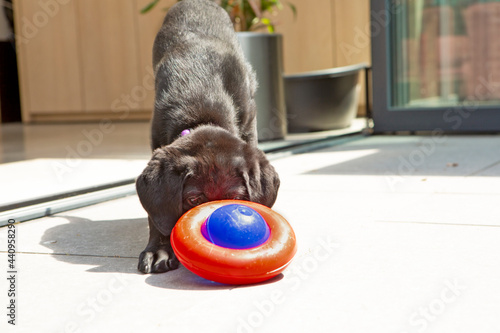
322	100
265	54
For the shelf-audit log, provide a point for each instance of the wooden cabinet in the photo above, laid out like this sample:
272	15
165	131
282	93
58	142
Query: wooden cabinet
91	59
85	59
109	56
48	59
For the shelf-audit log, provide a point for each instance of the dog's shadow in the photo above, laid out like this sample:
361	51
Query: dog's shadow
113	246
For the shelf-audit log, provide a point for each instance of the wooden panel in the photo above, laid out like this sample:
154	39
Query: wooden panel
352	38
352	31
148	25
48	57
91	56
89	116
308	40
110	60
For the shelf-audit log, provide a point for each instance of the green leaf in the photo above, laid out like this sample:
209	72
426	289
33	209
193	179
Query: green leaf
293	8
267	22
149	6
267	5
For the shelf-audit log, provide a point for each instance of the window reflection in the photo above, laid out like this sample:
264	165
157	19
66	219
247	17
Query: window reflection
446	53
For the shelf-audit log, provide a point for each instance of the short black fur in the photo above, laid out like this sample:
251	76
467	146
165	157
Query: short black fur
203	84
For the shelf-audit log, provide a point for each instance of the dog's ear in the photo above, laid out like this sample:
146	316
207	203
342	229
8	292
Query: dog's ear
262	181
160	187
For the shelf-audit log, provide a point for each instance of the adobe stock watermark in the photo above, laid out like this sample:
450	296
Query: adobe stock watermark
297	273
12	272
455	116
84	148
422	318
409	163
362	37
94	137
31	26
138	94
96	303
276	125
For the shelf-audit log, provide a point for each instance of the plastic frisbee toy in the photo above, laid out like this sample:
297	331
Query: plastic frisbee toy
233	242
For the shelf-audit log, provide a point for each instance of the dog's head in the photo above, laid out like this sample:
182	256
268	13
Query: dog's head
208	164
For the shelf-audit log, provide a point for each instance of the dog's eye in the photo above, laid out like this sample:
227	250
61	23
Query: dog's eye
194	201
240	197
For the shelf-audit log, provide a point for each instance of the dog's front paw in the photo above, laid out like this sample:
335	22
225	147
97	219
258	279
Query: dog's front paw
158	260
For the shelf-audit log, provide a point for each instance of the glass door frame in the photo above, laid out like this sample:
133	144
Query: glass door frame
468	117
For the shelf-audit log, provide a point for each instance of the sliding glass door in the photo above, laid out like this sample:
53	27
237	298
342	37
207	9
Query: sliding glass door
436	65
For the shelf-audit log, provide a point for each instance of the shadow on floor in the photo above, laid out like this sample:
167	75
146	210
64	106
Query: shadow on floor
110	245
182	279
113	246
448	155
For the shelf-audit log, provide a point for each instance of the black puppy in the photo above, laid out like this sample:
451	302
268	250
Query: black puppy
204	136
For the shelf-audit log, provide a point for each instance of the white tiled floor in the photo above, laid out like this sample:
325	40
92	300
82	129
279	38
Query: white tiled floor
395	234
121	140
50	159
44	177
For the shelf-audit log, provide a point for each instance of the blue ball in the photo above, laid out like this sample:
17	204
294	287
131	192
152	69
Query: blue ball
236	226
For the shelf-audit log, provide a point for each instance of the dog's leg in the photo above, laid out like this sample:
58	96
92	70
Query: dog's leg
158	256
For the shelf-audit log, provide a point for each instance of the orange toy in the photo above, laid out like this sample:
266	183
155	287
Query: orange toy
231	265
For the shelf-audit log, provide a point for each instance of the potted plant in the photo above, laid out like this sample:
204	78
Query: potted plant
246	15
264	51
